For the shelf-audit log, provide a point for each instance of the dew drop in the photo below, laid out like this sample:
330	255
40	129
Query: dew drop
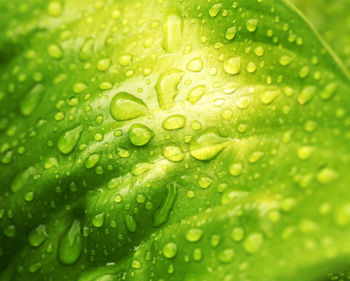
86	51
162	214
68	140
233	65
130	223
92	160
173	153
166	88
125	106
194	234
195	65
196	93
207	145
170	250
306	95
55	51
70	244
172	28
38	235
174	122
269	96
31	100
231	33
140	135
253	242
22	179
215	9
98	220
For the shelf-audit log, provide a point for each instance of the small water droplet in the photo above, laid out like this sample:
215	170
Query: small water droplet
231	33
130	223
252	25
226	255
306	95
55	51
98	220
86	51
92	160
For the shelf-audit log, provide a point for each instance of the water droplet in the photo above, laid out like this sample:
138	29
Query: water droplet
231	33
38	235
329	91
269	96
10	231
22	179
141	168
31	100
236	169
237	234
55	51
306	95
115	182
166	88
195	65
54	8
197	254
98	220
125	60
226	255
162	214
215	9
207	145
103	64
68	140
205	182
342	215
326	175
252	25
170	250
140	135
233	65
285	60
86	51
196	93
172	28
305	152
194	234
92	160
130	223
215	240
174	122
70	244
125	107
255	156
253	242
173	153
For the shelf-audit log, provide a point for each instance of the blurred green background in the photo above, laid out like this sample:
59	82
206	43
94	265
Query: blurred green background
332	19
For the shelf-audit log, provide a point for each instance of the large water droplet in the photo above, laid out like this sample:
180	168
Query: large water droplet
166	88
70	245
253	242
140	135
172	27
215	9
194	234
125	107
68	140
207	145
162	214
98	220
92	160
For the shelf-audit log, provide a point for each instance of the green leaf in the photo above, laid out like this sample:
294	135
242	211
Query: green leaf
332	19
170	140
